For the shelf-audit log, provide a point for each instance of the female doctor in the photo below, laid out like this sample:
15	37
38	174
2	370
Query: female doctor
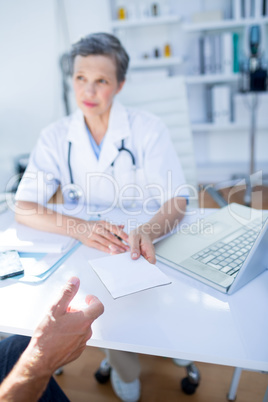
104	155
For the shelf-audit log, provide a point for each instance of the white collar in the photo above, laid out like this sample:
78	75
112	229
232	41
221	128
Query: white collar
118	129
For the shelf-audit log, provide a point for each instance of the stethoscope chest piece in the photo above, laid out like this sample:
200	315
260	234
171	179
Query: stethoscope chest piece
73	192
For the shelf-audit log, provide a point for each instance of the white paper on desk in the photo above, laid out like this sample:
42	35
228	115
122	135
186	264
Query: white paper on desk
24	239
122	276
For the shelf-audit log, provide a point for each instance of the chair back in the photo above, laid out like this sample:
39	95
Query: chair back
167	98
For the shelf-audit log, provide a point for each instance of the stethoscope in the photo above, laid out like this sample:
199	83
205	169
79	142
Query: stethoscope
74	193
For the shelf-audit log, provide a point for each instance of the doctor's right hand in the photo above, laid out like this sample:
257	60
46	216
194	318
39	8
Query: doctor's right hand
141	244
103	236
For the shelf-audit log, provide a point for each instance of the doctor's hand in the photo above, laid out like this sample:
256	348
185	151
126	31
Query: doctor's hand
103	236
141	244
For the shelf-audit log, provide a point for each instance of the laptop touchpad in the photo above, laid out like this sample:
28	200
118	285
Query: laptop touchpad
210	228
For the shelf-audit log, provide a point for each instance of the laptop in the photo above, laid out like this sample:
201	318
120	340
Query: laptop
225	250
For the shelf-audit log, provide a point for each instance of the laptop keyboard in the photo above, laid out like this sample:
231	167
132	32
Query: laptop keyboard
228	254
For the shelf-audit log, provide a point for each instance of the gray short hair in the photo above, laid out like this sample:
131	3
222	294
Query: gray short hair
102	44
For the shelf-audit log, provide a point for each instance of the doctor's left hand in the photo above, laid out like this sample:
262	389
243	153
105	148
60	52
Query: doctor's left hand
141	244
104	236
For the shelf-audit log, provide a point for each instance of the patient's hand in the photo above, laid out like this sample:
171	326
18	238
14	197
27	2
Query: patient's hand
62	334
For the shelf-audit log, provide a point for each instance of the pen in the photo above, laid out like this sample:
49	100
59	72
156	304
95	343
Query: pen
118	237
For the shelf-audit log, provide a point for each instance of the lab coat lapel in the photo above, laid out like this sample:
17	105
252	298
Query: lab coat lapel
81	147
117	130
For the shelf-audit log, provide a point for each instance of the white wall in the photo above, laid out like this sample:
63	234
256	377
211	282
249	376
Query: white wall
31	41
28	79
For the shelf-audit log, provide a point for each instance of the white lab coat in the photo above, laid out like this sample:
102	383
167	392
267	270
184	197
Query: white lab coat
158	170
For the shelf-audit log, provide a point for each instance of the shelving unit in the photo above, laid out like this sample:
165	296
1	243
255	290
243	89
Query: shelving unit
210	127
223	25
210	78
216	135
217	27
134	23
135	33
156	62
143	36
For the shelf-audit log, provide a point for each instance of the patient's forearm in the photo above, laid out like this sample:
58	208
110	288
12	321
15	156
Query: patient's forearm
27	381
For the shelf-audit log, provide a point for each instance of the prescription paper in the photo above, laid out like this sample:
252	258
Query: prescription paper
25	239
123	276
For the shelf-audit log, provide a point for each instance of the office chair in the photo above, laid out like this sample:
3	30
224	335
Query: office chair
167	98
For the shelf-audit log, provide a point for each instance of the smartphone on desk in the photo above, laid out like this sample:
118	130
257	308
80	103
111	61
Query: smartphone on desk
10	264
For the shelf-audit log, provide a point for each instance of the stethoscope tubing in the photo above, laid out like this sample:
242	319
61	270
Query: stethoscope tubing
69	163
123	148
75	195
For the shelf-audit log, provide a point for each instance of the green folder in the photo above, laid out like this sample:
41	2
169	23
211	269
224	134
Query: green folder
236	53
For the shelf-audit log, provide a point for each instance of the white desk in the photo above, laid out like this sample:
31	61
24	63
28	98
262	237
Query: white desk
186	319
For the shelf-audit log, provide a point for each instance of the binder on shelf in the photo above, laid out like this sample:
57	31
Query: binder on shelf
237	10
217	54
258	8
208	54
264	7
243	9
247	8
227	10
221	105
201	55
208	101
236	53
251	8
227	53
213	55
194	66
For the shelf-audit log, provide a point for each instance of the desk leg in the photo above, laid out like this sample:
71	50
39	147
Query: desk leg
234	385
266	396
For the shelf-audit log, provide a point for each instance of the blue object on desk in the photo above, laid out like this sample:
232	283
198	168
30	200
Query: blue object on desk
53	268
39	256
47	273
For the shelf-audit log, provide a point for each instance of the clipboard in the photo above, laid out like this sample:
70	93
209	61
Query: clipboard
42	265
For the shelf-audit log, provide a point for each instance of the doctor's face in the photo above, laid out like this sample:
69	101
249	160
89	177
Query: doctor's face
95	84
